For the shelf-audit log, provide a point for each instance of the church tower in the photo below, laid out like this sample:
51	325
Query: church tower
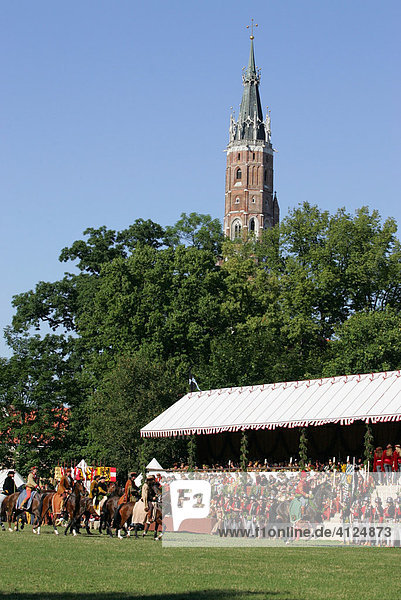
250	203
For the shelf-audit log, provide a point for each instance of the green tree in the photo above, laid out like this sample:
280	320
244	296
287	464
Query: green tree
40	388
368	341
303	448
368	445
191	452
133	393
243	461
200	231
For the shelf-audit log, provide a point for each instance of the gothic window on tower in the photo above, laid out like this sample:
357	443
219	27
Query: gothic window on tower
265	175
237	200
238	174
252	226
253	200
236	228
238	156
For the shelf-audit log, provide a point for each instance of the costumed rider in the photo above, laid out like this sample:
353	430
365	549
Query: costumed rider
131	490
93	488
31	486
64	488
302	492
9	487
148	495
101	494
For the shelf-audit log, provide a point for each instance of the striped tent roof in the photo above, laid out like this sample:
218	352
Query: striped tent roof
372	397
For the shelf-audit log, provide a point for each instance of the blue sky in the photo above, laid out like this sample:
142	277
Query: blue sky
113	111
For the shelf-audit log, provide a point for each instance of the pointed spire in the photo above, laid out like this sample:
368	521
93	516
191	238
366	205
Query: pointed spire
251	114
251	70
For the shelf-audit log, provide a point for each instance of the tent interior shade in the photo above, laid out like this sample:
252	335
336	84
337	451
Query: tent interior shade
372	397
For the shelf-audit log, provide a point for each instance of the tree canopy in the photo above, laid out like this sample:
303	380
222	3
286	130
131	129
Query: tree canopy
318	295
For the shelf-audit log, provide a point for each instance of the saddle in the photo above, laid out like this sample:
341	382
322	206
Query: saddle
22	497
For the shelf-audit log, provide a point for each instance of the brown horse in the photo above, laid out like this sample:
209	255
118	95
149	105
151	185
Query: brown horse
154	516
78	505
74	507
47	510
123	518
12	513
142	518
109	508
154	513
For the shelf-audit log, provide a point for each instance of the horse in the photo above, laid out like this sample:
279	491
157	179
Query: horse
123	518
48	510
313	511
74	506
142	517
10	510
109	508
154	513
154	516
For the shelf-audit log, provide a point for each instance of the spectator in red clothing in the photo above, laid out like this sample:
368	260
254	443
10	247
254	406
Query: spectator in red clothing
397	460
378	463
388	461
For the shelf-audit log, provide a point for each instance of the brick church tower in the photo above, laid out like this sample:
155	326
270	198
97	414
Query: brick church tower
250	204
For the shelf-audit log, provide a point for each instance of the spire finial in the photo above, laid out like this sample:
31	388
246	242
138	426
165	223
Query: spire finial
251	26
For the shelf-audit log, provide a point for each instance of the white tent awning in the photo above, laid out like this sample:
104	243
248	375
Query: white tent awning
154	465
372	397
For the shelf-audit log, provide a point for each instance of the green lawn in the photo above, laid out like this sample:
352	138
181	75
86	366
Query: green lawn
100	568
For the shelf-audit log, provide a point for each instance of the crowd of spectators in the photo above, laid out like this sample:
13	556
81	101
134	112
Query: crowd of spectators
258	499
330	465
385	461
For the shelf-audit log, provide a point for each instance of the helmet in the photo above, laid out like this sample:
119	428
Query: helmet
389	500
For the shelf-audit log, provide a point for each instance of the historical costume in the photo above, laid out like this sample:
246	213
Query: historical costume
397	459
131	491
388	461
9	486
148	494
101	494
31	485
302	489
378	463
63	490
93	487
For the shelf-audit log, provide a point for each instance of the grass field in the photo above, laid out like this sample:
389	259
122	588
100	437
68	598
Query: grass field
100	568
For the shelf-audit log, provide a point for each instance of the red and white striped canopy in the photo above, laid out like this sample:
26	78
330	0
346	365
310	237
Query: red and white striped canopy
373	397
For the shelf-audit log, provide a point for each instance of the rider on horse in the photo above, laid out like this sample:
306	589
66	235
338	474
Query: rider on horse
64	487
93	488
131	490
101	494
9	487
149	494
31	485
302	492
